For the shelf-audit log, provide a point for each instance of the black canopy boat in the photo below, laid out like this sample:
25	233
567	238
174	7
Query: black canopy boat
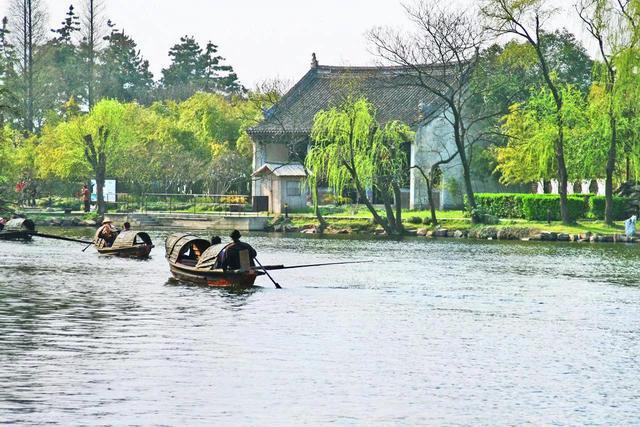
129	244
18	229
193	259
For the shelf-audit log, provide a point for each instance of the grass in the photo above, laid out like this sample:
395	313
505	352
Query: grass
455	220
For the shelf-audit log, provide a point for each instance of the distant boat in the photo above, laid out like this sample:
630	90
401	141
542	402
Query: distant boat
129	244
18	229
192	259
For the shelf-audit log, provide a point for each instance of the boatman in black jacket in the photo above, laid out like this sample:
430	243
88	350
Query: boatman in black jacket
229	257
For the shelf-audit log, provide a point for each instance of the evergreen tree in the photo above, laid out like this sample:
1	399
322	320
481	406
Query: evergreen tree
124	74
193	69
8	78
63	65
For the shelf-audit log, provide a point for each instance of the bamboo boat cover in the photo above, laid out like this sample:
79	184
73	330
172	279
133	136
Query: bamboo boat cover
178	243
19	224
210	256
127	239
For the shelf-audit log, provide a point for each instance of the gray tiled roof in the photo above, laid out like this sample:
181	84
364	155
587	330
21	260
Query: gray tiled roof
293	169
393	91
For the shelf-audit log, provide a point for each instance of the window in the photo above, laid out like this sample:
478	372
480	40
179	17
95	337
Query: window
293	189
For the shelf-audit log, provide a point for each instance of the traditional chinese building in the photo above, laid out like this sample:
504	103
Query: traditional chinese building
281	141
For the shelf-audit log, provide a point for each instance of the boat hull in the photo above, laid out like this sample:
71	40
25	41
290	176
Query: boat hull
137	251
15	235
216	279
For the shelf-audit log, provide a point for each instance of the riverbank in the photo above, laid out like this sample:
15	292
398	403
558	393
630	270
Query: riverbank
452	225
462	228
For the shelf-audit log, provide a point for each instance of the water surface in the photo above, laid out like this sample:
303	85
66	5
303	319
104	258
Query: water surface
435	332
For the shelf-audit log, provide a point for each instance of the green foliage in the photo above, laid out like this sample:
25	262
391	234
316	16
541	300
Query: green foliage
195	69
621	208
414	220
539	207
502	205
532	131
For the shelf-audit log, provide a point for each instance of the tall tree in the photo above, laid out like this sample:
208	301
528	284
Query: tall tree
524	18
194	69
448	39
61	60
124	74
8	101
28	19
93	32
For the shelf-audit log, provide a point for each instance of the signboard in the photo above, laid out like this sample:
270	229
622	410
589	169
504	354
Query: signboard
109	190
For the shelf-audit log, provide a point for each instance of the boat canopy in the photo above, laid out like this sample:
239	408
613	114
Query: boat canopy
126	239
20	224
210	256
178	244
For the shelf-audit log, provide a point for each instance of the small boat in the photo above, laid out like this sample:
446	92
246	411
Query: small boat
18	229
129	244
192	259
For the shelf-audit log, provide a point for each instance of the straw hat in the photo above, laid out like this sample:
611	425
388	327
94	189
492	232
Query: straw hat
107	221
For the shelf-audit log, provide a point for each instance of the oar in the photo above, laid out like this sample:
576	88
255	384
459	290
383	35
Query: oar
87	247
285	267
67	239
268	275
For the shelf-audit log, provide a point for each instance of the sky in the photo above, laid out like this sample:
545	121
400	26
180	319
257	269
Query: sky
261	39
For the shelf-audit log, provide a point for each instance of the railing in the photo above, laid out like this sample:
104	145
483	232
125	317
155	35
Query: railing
195	203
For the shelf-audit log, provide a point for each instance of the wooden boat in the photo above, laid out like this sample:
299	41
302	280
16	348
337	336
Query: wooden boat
129	244
18	229
192	259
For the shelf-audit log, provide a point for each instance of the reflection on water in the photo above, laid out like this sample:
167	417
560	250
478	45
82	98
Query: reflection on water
435	332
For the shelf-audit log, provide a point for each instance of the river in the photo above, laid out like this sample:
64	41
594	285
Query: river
451	332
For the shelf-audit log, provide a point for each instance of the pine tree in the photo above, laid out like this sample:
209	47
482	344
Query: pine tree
8	78
124	73
193	69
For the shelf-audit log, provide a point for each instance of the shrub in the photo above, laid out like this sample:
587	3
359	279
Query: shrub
426	220
621	207
537	207
414	220
502	205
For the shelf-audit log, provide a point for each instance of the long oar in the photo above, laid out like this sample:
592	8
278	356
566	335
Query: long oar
87	247
268	275
287	267
67	239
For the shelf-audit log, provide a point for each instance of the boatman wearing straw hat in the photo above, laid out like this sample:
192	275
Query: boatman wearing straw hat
229	256
107	232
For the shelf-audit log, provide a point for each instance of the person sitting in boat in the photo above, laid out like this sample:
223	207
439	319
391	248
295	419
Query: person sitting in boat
229	256
216	240
107	232
126	226
2	223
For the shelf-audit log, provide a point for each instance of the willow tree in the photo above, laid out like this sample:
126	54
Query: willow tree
531	129
353	150
86	145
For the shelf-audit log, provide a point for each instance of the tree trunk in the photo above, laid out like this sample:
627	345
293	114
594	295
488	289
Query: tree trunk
322	224
610	169
397	193
30	67
563	179
432	205
91	47
100	178
466	174
391	220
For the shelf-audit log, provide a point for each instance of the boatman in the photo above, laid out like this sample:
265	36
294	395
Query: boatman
229	257
107	232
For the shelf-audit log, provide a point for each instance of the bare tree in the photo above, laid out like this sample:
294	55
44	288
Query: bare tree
28	29
93	31
525	19
440	55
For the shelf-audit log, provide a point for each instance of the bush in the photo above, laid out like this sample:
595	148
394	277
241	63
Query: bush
414	220
621	207
502	205
538	207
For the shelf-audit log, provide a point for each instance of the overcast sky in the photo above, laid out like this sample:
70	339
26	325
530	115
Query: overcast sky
260	39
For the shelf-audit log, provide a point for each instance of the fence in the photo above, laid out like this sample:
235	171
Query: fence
195	203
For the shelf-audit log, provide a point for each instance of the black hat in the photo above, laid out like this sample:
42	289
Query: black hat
235	234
